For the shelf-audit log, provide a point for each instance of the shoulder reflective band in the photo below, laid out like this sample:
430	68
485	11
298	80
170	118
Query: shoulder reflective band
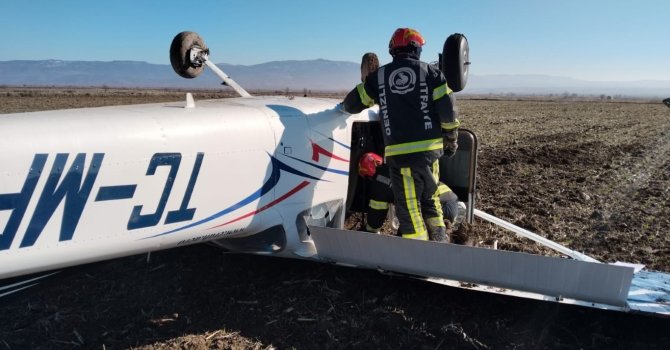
413	147
377	205
440	91
453	125
365	98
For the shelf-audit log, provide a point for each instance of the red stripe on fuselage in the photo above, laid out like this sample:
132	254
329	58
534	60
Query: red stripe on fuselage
316	150
286	195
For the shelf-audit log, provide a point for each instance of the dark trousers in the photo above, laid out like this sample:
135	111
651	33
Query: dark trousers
417	200
381	195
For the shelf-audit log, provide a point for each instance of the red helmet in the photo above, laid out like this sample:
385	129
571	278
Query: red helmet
403	37
367	165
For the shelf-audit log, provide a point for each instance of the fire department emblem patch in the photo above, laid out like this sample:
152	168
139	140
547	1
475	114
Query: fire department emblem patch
402	80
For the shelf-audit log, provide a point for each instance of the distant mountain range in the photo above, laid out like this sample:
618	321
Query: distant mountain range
321	75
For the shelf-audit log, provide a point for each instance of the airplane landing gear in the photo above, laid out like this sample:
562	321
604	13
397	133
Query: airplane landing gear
184	54
454	61
189	55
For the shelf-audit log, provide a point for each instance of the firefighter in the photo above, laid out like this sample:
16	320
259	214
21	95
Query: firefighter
380	192
419	123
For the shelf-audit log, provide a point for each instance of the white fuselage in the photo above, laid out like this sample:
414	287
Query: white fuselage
83	185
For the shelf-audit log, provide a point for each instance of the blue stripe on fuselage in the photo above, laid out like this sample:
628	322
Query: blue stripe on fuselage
271	182
341	172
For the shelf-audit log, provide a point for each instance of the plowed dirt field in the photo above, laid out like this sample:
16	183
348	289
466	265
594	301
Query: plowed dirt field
592	175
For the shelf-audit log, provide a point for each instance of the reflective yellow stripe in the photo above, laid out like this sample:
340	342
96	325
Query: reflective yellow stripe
365	98
453	125
442	189
411	201
435	222
420	236
441	91
413	147
378	205
436	196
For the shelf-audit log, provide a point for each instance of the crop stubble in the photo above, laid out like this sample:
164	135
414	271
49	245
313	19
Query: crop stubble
591	175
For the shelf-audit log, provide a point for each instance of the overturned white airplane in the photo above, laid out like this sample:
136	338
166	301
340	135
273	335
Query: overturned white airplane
261	175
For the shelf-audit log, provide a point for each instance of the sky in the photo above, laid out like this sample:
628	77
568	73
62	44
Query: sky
600	40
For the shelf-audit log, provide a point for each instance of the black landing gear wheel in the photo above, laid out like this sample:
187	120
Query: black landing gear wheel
180	54
455	61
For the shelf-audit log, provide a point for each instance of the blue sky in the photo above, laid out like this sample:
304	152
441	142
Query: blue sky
592	40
